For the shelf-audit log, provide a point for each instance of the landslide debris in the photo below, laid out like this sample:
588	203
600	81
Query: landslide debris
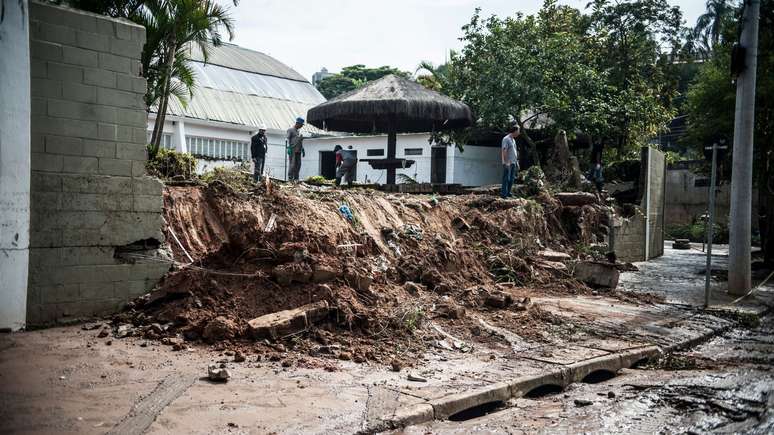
358	274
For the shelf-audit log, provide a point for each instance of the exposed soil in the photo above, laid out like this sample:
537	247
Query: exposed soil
400	261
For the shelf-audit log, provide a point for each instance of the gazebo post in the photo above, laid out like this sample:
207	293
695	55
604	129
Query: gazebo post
391	147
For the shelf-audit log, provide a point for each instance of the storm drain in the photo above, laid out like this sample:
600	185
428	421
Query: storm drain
477	411
598	376
543	391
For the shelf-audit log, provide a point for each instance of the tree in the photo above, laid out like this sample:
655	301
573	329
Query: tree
433	77
180	24
711	103
709	24
353	77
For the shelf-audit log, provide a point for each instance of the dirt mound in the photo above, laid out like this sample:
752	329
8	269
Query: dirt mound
384	263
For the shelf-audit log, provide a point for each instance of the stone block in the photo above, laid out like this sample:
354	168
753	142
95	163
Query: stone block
124	31
45	88
81	111
128	290
59	293
79	92
79	56
51	32
115	63
124	133
114	97
92	41
81	237
99	77
92	291
78	19
95	202
80	164
46	257
43	182
96	184
135	67
148	203
99	148
38	105
596	274
107	131
109	166
140	135
37	143
88	255
64	127
46	201
283	323
131	83
106	28
45	238
38	69
126	47
138	168
45	50
132	118
131	151
46	162
147	186
64	72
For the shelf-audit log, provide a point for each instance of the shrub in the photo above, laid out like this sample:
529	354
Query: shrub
697	232
168	164
238	178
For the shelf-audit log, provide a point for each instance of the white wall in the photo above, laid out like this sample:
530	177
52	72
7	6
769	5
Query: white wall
14	164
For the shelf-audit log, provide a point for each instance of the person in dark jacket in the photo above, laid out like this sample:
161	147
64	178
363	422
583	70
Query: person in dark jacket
258	148
346	161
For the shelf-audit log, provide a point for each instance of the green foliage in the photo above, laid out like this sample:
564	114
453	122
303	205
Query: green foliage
168	164
405	179
603	73
697	232
534	180
237	178
353	77
318	180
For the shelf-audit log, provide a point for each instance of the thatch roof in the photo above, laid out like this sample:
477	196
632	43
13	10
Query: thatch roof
391	101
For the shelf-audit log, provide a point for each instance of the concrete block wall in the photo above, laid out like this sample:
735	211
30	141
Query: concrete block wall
89	194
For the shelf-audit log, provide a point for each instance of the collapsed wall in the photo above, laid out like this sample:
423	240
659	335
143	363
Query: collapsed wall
91	202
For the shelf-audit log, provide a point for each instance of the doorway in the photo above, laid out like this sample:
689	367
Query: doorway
438	165
328	164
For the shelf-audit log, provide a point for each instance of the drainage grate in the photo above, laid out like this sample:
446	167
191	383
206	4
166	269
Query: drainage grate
477	411
598	376
543	391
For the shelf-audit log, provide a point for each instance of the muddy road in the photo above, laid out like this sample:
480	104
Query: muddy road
723	386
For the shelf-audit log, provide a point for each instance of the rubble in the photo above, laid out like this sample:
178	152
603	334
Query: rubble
597	273
218	373
288	266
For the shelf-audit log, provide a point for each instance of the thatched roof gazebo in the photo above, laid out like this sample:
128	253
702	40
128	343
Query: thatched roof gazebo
390	105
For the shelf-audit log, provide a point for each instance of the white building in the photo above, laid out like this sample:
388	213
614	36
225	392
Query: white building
320	75
239	89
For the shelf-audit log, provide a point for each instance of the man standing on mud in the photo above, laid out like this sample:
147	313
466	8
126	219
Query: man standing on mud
258	147
295	149
510	160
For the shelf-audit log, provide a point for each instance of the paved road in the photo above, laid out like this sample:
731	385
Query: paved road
723	386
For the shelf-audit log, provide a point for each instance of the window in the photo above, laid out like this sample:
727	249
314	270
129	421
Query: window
218	149
375	152
166	139
413	151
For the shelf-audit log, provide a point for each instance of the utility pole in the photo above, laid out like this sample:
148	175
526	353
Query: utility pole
739	280
711	220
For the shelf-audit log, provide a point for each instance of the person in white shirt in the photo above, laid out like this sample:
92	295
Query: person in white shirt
510	160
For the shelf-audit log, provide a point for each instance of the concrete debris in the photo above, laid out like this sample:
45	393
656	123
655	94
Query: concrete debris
324	273
216	373
451	310
550	255
396	365
286	274
123	331
104	332
239	357
283	323
582	402
597	274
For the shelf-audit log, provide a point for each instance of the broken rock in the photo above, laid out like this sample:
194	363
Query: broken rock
282	323
498	299
576	198
292	272
550	255
451	310
324	273
413	288
596	273
216	373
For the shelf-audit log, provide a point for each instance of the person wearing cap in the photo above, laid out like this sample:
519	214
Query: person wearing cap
295	149
258	148
346	161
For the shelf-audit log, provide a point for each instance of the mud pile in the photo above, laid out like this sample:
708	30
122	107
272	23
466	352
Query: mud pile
381	265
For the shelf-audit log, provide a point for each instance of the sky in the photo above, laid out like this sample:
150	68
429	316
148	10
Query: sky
310	34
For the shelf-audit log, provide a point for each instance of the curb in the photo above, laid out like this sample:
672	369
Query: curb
444	407
449	405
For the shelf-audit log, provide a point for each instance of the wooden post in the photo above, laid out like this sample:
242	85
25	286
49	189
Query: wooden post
391	147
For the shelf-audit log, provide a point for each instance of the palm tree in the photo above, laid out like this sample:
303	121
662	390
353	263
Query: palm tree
181	24
709	24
